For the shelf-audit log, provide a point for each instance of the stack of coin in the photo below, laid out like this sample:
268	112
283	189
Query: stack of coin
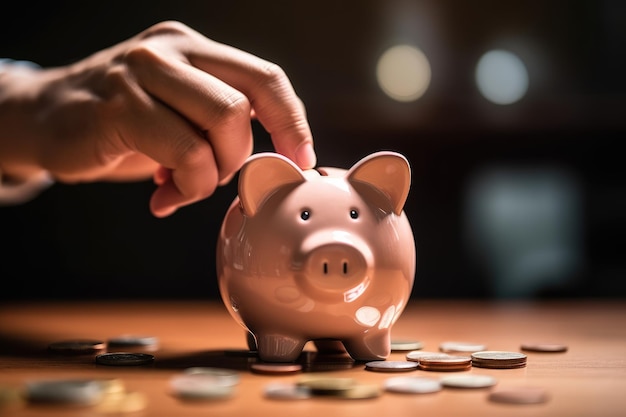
444	362
498	359
204	383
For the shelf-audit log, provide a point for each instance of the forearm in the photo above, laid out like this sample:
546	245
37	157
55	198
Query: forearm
21	177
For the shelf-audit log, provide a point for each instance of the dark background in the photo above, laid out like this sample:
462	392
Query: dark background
559	145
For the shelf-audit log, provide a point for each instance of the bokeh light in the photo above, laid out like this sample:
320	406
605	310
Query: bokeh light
501	77
403	73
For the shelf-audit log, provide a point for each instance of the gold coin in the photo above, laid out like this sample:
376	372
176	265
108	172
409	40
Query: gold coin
361	391
327	385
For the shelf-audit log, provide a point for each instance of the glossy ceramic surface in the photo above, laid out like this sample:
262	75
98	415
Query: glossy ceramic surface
325	255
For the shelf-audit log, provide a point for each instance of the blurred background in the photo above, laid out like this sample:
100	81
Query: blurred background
510	113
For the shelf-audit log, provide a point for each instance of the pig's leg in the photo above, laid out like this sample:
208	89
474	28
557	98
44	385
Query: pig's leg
278	347
369	347
329	346
251	340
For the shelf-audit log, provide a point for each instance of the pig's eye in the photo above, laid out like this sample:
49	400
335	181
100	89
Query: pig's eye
354	214
305	214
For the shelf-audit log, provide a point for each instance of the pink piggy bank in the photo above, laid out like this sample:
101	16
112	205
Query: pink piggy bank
324	255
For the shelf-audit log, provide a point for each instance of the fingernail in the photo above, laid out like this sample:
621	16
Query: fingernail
305	156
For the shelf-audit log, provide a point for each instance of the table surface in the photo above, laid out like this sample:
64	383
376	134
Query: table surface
589	379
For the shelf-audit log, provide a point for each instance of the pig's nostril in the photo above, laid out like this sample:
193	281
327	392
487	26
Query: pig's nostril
325	268
345	268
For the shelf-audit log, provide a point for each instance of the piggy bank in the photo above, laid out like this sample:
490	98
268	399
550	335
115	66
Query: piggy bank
325	255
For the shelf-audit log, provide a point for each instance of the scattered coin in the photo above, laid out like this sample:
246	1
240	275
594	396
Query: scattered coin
285	391
497	359
122	402
133	341
461	347
64	391
445	362
201	386
468	381
275	368
412	385
10	397
320	385
391	366
544	347
520	395
124	359
406	345
361	392
77	346
222	375
416	354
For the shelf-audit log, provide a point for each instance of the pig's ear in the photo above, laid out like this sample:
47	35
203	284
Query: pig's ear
261	175
389	172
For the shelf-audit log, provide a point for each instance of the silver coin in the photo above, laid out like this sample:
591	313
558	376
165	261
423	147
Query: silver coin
417	354
468	381
221	375
65	391
499	355
406	345
124	359
286	391
391	366
467	347
200	386
412	385
132	340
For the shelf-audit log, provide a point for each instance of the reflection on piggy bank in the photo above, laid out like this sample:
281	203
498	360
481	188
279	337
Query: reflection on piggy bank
324	255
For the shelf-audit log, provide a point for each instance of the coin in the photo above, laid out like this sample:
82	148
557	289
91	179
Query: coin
124	359
122	402
285	391
361	392
276	368
320	385
10	397
133	341
200	386
520	395
468	381
464	347
406	345
445	362
412	385
64	391
544	347
391	366
416	354
497	359
222	375
77	346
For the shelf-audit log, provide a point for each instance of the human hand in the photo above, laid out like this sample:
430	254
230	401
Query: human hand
167	103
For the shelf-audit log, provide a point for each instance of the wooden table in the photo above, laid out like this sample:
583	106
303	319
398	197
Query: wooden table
589	379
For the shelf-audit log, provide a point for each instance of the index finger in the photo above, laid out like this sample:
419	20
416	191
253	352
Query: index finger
270	92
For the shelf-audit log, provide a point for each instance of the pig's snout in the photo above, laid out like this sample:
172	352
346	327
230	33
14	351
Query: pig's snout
334	263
